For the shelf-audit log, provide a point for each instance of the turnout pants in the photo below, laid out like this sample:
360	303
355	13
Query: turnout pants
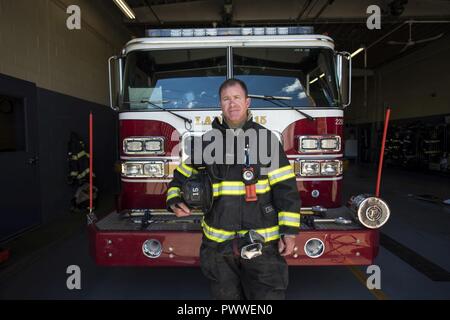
233	278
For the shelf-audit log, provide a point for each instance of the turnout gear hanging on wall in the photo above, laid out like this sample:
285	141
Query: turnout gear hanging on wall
78	161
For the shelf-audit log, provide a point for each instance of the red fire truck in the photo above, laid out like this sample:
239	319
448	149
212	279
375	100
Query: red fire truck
165	89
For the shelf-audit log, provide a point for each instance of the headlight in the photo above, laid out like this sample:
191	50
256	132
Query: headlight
144	169
319	168
307	144
331	168
314	248
155	169
325	143
310	168
143	145
331	144
154	145
132	169
133	146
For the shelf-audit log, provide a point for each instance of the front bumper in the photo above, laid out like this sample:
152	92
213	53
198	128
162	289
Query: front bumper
117	243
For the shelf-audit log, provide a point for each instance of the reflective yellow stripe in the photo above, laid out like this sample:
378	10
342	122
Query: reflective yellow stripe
230	183
290	224
82	153
281	174
289	214
173	193
262	186
217	235
291	175
185	170
276	171
290	219
79	155
269	234
236	188
81	175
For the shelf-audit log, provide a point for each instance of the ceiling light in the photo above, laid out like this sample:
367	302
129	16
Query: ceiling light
125	8
357	51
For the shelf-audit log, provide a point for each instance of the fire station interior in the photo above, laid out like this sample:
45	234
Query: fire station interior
54	74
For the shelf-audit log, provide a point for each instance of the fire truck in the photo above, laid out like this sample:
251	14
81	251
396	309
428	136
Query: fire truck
164	87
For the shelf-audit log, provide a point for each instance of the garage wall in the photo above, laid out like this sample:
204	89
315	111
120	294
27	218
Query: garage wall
40	48
413	86
69	68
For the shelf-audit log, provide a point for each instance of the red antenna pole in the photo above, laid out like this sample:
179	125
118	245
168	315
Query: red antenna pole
91	156
380	163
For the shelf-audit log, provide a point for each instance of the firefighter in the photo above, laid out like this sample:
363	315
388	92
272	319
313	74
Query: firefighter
254	219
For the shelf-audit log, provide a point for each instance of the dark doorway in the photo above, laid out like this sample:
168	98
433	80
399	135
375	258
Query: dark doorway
19	187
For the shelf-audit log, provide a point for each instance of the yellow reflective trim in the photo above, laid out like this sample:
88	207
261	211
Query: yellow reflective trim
229	193
289	223
220	231
282	178
260	191
268	230
229	184
185	170
172	196
182	172
238	183
210	237
191	169
288	214
264	232
81	175
273	238
82	153
224	184
175	193
285	168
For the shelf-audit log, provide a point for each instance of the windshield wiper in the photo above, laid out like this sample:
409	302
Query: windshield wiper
278	101
153	104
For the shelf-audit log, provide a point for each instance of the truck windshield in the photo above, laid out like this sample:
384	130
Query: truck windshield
306	75
175	79
190	78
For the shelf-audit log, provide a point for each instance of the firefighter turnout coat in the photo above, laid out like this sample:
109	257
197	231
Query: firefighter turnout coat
277	209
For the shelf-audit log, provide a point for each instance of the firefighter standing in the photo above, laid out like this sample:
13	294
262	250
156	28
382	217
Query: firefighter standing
255	216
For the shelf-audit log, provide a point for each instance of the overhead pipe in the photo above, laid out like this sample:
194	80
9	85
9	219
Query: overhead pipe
401	25
305	7
329	2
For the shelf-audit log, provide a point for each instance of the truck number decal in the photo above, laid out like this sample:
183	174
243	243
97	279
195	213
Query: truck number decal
339	121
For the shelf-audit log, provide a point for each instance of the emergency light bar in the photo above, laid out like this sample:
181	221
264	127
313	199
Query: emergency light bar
256	31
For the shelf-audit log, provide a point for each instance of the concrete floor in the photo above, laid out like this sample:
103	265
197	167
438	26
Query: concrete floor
38	270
